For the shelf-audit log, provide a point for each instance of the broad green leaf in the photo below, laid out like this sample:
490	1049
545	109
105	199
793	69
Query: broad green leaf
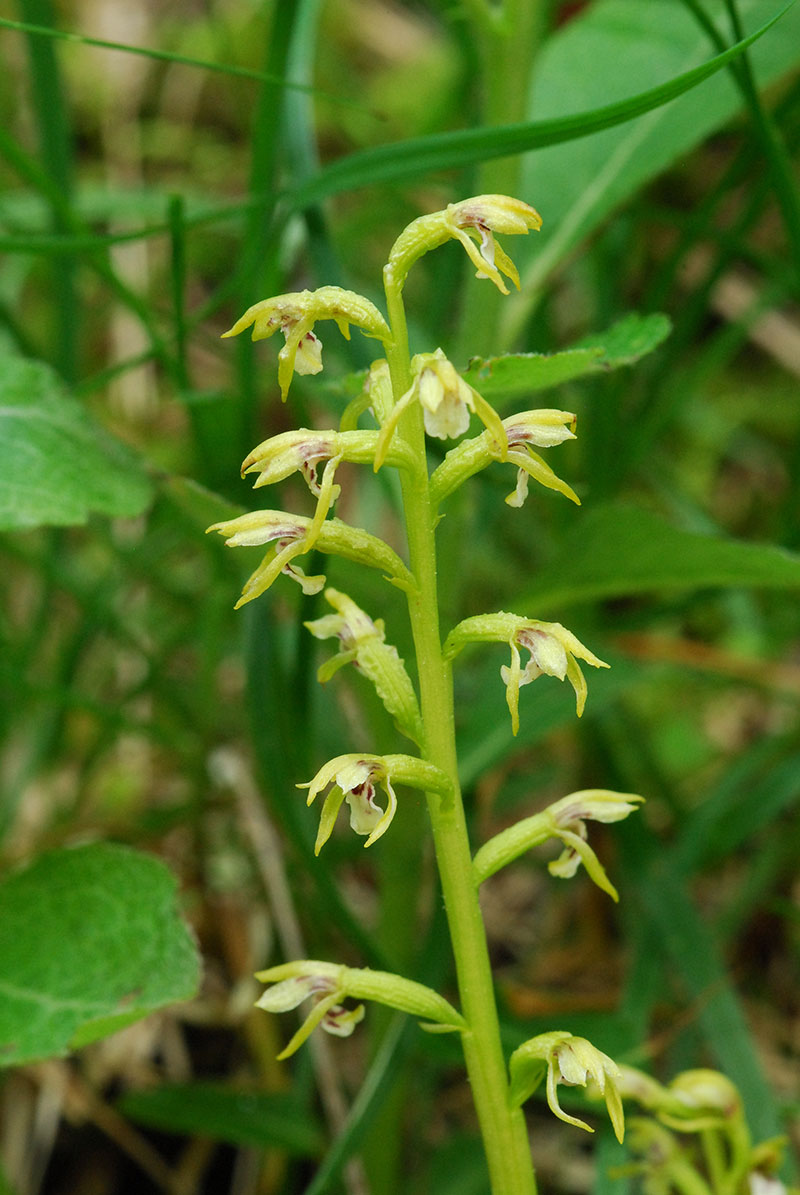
445	151
239	1117
612	50
616	550
57	466
90	941
518	374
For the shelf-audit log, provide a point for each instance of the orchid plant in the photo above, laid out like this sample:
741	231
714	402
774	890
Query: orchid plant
406	398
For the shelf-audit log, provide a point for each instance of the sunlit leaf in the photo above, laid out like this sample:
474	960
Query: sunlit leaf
57	465
517	374
90	941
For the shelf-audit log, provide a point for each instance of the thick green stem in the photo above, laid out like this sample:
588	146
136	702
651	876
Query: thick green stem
503	1128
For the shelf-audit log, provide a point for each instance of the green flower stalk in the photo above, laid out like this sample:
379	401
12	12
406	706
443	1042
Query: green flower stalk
408	398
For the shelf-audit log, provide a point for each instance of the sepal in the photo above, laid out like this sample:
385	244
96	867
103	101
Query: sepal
363	643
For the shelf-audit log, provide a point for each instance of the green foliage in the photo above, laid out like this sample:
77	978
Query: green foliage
515	375
58	466
620	550
90	941
239	1117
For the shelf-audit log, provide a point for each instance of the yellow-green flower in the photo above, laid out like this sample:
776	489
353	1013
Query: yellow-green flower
570	1060
295	315
474	223
446	401
554	651
355	779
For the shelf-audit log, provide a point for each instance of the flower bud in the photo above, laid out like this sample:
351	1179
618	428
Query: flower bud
363	644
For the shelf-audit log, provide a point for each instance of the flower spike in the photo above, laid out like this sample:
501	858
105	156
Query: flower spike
295	315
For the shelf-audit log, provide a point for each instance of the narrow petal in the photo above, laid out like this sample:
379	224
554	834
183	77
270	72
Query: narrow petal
578	682
314	1018
552	1100
512	678
615	1110
531	464
327	819
391	809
